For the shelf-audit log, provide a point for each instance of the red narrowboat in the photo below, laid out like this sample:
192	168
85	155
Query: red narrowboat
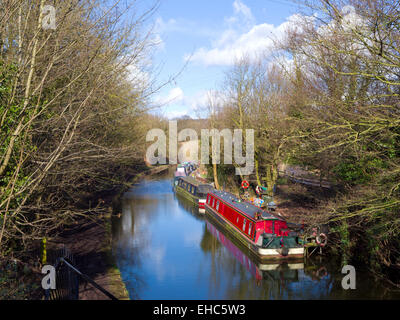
266	235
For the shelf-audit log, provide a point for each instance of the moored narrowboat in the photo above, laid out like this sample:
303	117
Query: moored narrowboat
193	190
264	234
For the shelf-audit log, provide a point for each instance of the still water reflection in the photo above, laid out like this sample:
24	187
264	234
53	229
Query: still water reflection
166	250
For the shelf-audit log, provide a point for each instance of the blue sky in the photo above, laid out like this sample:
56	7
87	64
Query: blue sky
209	35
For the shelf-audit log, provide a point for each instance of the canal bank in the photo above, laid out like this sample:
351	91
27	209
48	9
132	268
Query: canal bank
90	240
90	244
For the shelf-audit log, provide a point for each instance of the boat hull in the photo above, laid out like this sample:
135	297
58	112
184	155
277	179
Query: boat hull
195	200
261	253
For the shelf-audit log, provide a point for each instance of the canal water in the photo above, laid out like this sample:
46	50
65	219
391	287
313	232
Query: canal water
166	250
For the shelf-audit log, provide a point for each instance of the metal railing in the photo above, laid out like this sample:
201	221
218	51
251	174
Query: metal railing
67	278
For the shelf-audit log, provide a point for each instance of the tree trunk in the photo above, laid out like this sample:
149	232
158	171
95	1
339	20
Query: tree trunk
272	177
257	173
215	176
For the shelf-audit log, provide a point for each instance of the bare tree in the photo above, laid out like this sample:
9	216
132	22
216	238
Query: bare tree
72	100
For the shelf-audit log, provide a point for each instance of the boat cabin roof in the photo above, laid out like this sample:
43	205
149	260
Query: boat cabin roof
243	206
193	181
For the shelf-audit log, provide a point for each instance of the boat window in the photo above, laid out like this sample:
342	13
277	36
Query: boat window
213	203
217	205
244	224
194	190
203	190
249	228
237	220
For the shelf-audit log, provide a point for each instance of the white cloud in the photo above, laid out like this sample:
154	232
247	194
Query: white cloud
241	37
198	100
241	8
253	43
162	26
174	95
177	114
138	76
157	42
183	26
198	104
193	106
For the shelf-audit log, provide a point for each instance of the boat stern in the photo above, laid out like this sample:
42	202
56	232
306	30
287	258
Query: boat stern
202	203
284	247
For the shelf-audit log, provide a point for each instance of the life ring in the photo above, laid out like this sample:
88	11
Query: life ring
314	232
321	240
322	272
245	184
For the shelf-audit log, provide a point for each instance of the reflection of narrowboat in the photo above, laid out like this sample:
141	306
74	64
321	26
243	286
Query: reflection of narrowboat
258	270
264	234
193	190
188	206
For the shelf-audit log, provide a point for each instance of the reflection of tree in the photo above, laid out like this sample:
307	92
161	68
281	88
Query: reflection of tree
132	232
189	207
129	257
211	245
223	264
208	242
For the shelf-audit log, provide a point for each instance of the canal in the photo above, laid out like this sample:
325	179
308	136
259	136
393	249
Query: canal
165	250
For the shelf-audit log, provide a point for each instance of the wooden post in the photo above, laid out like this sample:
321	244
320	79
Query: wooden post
43	251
